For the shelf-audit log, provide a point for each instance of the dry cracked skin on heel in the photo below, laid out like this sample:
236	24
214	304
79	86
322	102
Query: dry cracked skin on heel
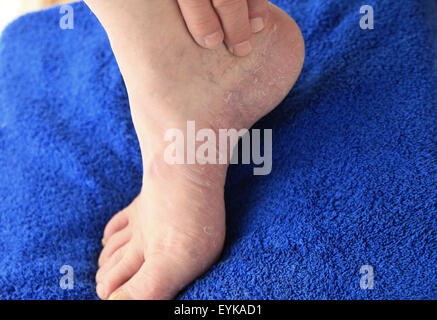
175	229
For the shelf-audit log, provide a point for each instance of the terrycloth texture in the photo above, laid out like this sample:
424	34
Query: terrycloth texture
354	168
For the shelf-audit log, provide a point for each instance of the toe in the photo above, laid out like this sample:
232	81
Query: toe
117	240
258	14
112	261
155	280
118	222
119	273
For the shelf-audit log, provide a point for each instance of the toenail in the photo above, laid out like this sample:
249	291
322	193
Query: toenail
257	24
120	294
103	242
100	261
213	40
98	277
101	292
242	49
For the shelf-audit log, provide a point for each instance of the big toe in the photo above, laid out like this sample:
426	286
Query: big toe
157	279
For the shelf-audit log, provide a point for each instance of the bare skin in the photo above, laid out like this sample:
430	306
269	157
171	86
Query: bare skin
175	229
212	21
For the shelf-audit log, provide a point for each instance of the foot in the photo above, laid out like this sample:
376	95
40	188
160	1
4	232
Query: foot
175	229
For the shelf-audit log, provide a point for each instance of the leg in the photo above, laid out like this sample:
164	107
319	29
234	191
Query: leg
175	229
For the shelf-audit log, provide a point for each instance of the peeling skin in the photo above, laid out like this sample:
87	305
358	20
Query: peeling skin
228	97
177	222
214	243
208	230
275	27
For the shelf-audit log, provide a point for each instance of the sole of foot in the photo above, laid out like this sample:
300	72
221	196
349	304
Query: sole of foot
175	229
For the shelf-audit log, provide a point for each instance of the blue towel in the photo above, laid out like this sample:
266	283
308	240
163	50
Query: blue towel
354	161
